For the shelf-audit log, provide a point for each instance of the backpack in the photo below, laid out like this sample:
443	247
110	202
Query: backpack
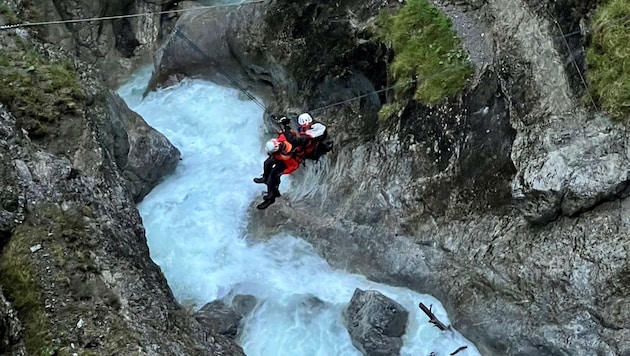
321	148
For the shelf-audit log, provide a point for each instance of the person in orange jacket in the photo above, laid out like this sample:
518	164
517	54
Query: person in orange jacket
283	159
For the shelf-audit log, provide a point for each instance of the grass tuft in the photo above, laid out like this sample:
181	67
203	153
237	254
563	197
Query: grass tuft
36	90
608	58
429	61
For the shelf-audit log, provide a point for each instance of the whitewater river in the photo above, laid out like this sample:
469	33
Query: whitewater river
196	225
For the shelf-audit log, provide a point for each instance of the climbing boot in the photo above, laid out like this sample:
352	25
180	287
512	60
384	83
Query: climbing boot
259	180
265	204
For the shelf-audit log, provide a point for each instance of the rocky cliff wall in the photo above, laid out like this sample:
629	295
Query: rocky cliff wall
75	271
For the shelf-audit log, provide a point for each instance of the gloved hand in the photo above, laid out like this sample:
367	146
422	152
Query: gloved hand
284	120
273	116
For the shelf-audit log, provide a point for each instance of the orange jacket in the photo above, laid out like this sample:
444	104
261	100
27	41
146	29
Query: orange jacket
287	156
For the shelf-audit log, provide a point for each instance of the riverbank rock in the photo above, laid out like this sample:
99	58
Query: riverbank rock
219	317
376	323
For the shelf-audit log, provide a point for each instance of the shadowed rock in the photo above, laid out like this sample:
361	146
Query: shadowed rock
218	317
10	329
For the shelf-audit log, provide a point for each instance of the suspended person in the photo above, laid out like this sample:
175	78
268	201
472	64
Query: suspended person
317	133
282	159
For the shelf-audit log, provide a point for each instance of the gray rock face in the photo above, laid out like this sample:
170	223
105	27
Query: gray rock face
10	329
112	46
376	323
452	191
204	46
580	164
75	265
142	153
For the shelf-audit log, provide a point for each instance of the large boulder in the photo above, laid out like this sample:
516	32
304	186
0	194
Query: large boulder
142	153
573	164
203	43
376	323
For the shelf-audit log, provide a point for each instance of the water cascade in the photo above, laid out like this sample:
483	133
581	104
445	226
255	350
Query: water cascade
196	227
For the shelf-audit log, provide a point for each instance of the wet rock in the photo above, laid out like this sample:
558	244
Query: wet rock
143	154
376	323
219	317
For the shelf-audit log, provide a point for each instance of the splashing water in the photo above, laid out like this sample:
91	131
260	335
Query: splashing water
196	225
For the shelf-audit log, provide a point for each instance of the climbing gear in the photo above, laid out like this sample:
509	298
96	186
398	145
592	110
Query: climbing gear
284	121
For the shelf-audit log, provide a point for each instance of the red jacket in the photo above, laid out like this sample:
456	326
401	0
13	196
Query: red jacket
287	155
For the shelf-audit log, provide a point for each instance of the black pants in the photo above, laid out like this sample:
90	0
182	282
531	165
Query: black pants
272	170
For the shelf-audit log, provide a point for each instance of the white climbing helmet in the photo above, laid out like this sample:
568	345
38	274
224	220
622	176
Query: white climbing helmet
304	119
272	146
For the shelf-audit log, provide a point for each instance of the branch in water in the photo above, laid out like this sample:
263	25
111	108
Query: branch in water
458	350
432	319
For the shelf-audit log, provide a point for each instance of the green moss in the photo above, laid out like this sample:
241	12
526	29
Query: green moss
19	281
429	61
47	225
38	92
608	58
388	110
7	13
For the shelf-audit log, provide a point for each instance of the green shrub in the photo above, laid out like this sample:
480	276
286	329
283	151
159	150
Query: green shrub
608	58
427	54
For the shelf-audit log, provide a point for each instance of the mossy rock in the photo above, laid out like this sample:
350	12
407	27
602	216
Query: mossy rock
19	281
45	97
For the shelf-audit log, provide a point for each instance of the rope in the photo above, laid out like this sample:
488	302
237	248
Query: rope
252	97
577	67
116	17
592	29
388	88
233	81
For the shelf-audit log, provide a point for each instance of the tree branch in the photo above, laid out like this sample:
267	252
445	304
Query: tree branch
432	319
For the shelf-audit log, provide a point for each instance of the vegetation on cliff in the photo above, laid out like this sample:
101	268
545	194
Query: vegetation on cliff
38	92
7	13
58	309
608	58
429	61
